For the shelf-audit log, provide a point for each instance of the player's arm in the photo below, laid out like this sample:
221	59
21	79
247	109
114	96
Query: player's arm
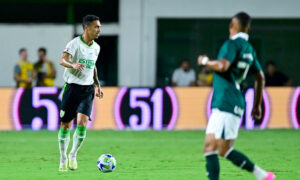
99	92
259	85
65	61
17	76
221	65
53	71
19	79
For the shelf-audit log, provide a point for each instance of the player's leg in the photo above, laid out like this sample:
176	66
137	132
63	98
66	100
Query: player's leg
225	149
213	132
67	113
63	143
211	157
78	138
84	111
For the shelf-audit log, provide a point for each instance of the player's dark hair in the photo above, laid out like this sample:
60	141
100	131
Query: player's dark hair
44	50
244	19
22	50
88	19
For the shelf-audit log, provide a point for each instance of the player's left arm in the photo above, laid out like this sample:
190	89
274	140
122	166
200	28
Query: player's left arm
221	65
99	92
226	57
53	71
259	84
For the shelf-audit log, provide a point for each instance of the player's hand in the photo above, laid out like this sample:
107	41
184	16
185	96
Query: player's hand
256	113
78	66
99	92
202	60
29	80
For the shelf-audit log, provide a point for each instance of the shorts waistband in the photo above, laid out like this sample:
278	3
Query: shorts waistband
79	85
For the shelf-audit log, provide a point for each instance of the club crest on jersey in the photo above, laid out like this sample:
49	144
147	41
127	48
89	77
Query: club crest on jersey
62	113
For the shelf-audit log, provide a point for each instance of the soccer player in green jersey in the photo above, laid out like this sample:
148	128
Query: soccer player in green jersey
235	59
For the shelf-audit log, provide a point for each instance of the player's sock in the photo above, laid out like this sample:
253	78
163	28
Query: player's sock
63	141
78	137
259	173
212	165
239	160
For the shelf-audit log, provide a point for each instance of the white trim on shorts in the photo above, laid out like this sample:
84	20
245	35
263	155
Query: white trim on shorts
223	124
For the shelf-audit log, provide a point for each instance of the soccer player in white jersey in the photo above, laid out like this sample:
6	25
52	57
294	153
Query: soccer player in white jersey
81	80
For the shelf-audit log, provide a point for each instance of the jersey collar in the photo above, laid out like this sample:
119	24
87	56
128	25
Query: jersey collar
85	42
241	35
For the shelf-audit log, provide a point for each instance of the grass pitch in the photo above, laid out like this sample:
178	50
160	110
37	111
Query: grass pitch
145	155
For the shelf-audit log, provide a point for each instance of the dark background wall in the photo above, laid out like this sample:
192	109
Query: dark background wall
274	39
57	11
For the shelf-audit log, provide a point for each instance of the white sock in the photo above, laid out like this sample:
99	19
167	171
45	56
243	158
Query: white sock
77	143
259	173
63	144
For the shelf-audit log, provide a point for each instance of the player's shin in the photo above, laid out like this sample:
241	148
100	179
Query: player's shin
212	165
78	137
239	160
243	162
63	142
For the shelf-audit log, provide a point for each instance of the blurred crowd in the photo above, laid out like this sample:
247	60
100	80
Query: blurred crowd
187	76
41	73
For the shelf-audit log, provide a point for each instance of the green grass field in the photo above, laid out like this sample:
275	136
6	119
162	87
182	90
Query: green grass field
145	155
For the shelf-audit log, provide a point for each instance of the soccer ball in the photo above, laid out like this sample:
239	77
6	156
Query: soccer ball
106	163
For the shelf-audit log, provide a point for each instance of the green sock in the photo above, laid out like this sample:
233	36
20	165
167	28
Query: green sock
240	160
78	137
212	166
63	142
63	133
81	130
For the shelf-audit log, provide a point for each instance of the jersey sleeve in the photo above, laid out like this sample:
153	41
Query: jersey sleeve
17	69
256	67
228	51
71	48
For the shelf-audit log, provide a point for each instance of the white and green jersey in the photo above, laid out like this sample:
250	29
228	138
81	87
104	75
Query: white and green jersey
81	53
242	56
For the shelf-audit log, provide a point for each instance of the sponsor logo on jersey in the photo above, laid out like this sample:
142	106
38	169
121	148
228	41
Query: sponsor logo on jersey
88	63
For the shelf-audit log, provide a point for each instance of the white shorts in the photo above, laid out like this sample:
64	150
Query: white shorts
223	125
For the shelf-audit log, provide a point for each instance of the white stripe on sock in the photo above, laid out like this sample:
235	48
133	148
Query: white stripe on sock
228	152
243	164
210	153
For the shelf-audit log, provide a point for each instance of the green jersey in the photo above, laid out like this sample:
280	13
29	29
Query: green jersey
227	95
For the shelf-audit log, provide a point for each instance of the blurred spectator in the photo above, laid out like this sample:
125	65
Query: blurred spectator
274	77
23	72
184	75
45	69
205	77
